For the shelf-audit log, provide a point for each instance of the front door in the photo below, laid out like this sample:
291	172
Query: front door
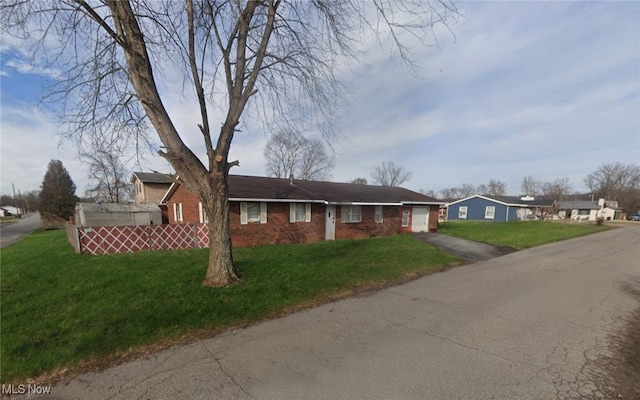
420	219
330	230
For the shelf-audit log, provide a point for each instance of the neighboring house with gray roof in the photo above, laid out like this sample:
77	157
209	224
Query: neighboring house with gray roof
497	208
581	210
272	210
150	187
117	214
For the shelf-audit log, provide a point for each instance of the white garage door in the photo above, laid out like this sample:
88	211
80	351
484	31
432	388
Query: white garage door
420	219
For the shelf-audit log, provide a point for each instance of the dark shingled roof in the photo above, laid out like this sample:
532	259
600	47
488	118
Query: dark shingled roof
578	205
262	188
153	177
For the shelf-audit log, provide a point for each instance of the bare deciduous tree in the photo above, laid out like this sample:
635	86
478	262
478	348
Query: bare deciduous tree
457	193
430	193
493	188
107	176
360	181
556	190
390	174
115	56
616	181
611	180
531	186
289	154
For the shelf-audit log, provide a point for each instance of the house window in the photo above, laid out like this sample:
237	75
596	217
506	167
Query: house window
253	213
489	212
378	215
177	212
204	218
351	214
462	212
583	212
299	212
405	219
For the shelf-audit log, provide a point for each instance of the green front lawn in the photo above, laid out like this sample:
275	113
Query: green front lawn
61	309
517	234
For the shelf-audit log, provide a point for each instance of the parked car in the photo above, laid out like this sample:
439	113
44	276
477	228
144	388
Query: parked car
633	217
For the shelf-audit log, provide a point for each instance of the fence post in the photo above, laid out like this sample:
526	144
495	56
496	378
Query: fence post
149	236
77	232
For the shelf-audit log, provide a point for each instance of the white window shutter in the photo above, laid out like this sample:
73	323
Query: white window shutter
307	212
292	212
175	212
263	213
200	212
243	213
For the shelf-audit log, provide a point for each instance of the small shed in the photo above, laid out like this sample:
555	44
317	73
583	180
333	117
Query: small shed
117	214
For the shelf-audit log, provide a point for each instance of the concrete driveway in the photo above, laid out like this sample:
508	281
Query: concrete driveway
465	249
524	326
12	232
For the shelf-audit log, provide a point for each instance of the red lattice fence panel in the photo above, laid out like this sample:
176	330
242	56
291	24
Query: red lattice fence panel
203	235
172	237
128	239
113	239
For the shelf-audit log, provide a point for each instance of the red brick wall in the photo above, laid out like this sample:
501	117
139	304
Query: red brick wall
189	202
391	223
278	229
434	215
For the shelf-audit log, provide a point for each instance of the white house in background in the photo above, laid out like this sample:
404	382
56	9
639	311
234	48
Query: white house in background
588	210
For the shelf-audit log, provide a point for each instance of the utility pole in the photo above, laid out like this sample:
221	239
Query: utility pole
15	200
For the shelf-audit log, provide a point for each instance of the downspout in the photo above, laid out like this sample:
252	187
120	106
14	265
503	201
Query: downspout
507	214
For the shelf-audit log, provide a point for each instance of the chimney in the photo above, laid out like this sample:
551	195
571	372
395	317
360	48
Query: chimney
291	178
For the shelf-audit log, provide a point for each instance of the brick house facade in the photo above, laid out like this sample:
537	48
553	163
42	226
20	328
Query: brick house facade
271	210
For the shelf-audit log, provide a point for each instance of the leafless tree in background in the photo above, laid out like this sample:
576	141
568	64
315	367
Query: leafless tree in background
616	181
556	190
289	154
457	193
360	181
493	188
430	193
390	174
531	186
116	56
108	176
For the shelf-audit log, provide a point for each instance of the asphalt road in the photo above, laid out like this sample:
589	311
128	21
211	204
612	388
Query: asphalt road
14	231
527	325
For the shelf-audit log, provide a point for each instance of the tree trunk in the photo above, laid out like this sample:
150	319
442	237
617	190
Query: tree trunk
221	271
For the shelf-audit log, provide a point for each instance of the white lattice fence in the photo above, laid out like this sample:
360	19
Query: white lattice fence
128	239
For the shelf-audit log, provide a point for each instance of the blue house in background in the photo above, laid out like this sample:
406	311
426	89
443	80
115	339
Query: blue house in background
496	208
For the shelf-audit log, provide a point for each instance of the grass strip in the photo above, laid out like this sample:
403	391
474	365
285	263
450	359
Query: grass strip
517	234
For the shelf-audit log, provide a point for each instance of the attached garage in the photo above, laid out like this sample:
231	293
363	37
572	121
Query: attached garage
420	219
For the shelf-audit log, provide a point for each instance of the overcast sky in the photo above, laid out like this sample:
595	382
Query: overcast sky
548	89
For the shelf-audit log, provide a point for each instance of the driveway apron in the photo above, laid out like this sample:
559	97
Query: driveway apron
465	249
